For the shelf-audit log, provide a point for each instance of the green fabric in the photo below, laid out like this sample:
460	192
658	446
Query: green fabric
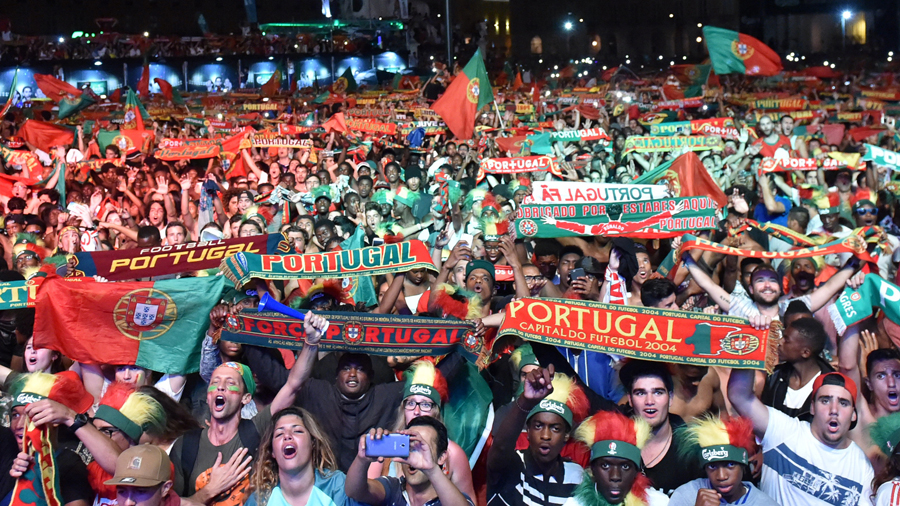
177	351
881	156
856	305
362	289
555	407
614	448
475	69
69	107
115	418
718	42
541	144
723	453
351	82
467	410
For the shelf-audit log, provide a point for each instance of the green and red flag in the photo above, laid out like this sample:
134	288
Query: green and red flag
466	95
686	177
44	136
69	106
733	52
346	83
272	86
55	89
135	114
692	79
155	325
12	92
169	91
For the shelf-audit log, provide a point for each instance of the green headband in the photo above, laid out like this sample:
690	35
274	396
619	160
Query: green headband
420	389
25	398
723	453
246	375
830	210
614	448
555	407
115	417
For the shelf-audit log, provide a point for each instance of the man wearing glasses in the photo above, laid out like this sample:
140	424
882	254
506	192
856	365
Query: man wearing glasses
866	215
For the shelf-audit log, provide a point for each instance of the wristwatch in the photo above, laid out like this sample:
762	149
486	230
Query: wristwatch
81	420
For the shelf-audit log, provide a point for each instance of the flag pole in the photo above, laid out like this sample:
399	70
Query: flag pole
499	116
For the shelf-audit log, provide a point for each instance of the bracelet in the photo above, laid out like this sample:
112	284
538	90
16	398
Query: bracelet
520	407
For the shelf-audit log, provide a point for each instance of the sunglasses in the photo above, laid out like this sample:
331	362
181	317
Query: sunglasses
862	211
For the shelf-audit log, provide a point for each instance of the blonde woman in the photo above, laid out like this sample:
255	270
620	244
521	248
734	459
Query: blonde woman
295	465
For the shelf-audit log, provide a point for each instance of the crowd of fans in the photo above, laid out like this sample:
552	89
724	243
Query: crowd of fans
260	425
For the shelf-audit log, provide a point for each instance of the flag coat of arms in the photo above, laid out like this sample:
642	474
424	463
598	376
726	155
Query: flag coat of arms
733	52
155	325
466	95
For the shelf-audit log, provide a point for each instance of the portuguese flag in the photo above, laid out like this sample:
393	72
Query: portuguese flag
346	83
155	325
12	92
135	114
733	52
466	95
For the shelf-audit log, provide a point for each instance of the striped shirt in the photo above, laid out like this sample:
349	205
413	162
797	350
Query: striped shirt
522	486
888	493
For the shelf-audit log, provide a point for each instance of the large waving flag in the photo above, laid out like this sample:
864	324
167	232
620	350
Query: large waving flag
55	89
45	136
135	114
155	325
346	83
686	177
169	91
466	95
733	52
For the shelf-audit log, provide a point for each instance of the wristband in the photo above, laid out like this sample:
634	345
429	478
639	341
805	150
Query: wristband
80	421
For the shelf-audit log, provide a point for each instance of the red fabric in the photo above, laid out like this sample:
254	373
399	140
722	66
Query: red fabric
695	180
589	112
455	108
822	72
859	134
164	87
336	123
94	344
272	85
768	150
143	84
762	61
511	144
55	89
608	74
45	135
518	81
116	96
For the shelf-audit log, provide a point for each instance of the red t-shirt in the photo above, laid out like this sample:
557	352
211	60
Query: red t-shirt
768	150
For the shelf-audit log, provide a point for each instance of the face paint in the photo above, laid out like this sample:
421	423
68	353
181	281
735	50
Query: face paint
211	388
233	388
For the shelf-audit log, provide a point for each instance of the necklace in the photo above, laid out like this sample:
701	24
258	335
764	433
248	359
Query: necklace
662	452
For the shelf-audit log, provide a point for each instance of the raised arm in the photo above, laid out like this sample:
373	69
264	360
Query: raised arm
744	400
719	295
314	327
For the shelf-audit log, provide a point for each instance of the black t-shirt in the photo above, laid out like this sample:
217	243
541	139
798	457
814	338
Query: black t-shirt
73	477
673	470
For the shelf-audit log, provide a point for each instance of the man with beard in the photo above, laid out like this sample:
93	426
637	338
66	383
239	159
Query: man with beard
649	388
766	290
808	463
789	387
770	139
212	465
803	275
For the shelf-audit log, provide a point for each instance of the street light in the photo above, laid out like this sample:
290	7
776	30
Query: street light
568	25
844	17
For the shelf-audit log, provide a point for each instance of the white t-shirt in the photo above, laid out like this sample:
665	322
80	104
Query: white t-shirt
888	494
795	399
799	470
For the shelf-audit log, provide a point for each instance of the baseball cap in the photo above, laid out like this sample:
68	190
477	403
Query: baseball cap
143	465
835	378
481	264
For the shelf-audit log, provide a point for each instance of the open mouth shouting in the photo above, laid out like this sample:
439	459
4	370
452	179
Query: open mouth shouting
289	451
219	403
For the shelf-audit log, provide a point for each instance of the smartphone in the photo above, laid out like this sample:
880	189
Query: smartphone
390	445
576	273
467	238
